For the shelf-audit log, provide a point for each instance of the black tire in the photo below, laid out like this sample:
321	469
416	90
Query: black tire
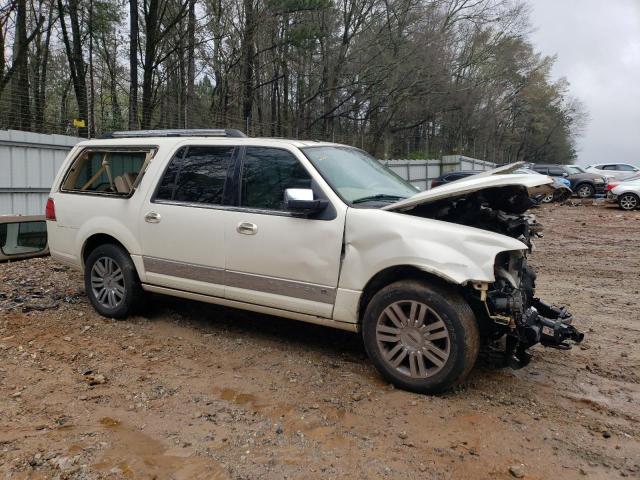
585	190
444	305
628	201
130	299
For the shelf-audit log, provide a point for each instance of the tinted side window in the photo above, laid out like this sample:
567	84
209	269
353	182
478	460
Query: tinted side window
196	175
541	169
625	168
266	174
168	182
557	171
609	167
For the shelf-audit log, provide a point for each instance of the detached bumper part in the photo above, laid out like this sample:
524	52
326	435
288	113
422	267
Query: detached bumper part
541	323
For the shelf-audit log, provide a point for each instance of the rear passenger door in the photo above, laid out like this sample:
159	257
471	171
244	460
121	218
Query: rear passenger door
182	221
273	257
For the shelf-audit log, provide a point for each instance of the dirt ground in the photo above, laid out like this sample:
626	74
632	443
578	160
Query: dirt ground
194	391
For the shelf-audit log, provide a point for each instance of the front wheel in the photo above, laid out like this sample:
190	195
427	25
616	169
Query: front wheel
548	198
421	338
111	282
628	201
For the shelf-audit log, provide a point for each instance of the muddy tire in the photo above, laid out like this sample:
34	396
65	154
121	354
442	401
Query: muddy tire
628	201
111	282
585	190
420	337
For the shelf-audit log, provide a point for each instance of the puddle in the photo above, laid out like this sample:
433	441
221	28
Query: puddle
239	398
109	422
133	454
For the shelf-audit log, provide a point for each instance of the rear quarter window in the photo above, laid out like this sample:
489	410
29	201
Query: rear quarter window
105	171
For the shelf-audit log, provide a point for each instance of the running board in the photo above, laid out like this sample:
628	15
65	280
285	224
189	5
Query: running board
302	317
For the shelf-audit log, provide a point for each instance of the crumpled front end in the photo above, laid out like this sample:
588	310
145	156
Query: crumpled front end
509	307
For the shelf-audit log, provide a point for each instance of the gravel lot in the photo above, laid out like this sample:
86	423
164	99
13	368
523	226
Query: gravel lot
194	391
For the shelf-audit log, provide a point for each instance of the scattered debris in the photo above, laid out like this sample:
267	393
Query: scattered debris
517	471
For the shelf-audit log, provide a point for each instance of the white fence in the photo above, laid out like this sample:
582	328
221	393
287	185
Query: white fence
421	172
28	165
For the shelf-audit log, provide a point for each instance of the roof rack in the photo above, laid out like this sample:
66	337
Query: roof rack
195	132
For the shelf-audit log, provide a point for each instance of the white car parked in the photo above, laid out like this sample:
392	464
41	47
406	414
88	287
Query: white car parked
626	195
311	231
614	170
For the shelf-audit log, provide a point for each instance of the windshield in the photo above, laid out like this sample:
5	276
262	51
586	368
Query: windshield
356	176
575	169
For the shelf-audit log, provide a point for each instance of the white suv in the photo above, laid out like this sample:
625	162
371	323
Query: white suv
311	231
614	170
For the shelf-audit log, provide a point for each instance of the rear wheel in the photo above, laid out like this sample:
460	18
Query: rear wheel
111	281
628	201
421	338
585	190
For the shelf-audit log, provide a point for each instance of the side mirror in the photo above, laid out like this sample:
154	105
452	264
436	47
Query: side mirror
565	174
300	200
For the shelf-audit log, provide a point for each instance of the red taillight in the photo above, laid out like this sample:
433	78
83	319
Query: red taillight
50	210
611	186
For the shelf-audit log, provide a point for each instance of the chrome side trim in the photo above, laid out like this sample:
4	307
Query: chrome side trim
327	322
278	286
189	271
248	281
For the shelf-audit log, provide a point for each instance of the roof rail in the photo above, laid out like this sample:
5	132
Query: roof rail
195	132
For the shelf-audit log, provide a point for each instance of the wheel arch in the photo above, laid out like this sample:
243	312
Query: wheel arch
97	239
393	274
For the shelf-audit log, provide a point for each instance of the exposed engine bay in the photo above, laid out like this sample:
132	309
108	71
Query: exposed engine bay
508	307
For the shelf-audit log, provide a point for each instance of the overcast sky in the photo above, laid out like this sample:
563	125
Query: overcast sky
598	47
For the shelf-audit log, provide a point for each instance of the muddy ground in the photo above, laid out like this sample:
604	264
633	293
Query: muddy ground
193	391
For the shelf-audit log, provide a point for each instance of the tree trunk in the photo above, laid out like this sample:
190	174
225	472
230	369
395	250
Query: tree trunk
148	67
133	65
92	92
41	86
20	109
248	55
76	60
191	64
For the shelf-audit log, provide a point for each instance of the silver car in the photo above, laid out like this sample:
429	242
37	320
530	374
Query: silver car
626	195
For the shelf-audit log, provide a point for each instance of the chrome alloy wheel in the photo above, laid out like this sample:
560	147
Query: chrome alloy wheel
107	282
628	201
413	339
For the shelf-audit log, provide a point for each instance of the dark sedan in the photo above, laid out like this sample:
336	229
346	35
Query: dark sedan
583	184
452	177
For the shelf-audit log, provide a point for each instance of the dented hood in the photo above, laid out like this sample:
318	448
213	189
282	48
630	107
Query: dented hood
490	179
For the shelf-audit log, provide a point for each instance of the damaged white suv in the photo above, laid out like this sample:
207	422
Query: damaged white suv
311	231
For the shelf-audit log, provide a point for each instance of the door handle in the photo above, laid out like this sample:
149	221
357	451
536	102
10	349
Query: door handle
152	217
247	228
